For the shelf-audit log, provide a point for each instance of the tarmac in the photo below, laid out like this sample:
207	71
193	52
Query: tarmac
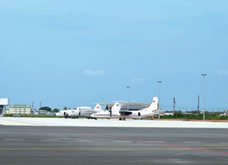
61	122
42	145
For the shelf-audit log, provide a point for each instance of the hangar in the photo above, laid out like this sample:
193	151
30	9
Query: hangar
3	103
129	106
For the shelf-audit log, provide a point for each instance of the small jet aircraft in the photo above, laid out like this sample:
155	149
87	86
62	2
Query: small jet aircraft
86	112
71	113
82	112
117	112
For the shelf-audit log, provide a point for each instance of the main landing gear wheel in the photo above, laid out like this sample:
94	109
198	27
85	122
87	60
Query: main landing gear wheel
122	118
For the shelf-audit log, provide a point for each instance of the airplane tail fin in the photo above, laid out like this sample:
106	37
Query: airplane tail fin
98	107
154	105
116	108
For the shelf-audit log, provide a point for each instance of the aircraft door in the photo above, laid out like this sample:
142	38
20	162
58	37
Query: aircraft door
139	114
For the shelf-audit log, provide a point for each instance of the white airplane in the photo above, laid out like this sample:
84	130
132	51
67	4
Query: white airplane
61	113
72	113
113	113
153	109
83	112
116	112
87	111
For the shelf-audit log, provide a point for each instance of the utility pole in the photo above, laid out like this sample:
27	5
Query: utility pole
204	77
198	106
159	93
128	87
32	106
174	105
128	102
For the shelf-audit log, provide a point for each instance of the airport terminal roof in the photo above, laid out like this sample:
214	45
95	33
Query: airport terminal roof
20	105
134	106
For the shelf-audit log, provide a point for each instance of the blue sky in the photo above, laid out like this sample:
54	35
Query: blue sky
72	53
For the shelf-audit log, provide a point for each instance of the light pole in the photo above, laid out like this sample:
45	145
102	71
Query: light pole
204	91
159	96
128	87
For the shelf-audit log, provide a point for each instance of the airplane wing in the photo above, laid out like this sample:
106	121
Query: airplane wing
125	112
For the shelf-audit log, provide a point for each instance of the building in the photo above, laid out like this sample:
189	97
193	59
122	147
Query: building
133	106
45	112
129	106
20	109
3	103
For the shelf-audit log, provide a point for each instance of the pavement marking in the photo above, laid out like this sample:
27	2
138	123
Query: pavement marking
224	145
192	142
119	141
103	149
156	141
13	139
49	140
92	149
193	148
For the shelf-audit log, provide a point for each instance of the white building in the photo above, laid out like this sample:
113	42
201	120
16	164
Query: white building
20	109
3	103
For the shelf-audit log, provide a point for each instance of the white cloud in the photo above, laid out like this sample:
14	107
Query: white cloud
223	72
93	73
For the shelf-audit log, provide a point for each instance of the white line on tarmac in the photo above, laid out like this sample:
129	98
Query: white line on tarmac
13	139
156	141
119	141
49	140
192	142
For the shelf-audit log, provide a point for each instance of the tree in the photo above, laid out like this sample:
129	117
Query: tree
178	114
56	110
45	108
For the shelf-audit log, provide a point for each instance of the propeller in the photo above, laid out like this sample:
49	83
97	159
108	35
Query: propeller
110	112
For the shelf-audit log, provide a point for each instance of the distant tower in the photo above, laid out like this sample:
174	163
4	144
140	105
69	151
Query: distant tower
174	105
32	105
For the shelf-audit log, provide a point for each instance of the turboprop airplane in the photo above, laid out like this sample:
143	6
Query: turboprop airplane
113	113
153	109
117	112
61	113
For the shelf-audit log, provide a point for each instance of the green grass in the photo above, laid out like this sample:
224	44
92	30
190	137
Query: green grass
196	116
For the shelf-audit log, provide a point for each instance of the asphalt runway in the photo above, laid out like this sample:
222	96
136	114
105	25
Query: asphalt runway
102	146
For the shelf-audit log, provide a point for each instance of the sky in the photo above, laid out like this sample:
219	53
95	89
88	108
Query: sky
76	53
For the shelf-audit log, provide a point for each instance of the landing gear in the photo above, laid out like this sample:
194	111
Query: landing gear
122	118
